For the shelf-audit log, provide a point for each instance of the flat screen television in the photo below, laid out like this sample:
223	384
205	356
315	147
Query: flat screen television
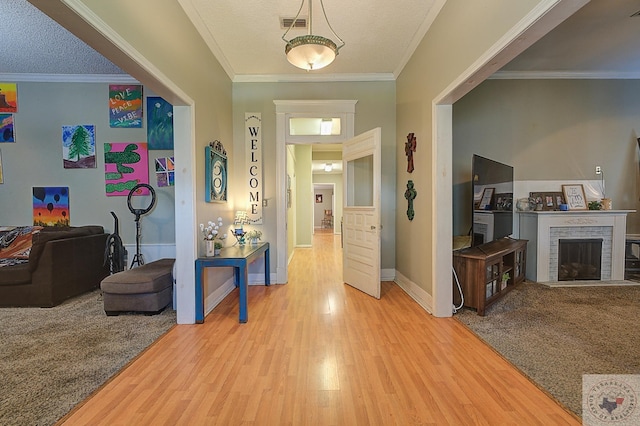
492	200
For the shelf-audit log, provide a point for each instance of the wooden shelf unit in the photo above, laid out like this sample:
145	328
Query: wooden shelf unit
480	270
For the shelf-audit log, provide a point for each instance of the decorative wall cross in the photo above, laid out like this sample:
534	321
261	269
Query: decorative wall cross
410	194
409	149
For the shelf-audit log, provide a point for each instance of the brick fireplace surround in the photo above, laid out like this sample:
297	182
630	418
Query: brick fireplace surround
544	229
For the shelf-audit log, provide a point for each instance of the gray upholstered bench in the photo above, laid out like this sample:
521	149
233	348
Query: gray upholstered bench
147	288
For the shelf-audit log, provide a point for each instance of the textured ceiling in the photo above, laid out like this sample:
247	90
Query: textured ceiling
380	35
600	40
34	43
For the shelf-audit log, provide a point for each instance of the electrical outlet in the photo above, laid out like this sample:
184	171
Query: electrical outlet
598	170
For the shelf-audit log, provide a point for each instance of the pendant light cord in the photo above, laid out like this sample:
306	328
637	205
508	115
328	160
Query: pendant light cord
292	23
329	25
311	23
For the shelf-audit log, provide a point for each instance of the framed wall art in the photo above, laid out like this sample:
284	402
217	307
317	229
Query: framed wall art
79	146
548	200
125	105
574	196
165	171
288	191
159	123
485	201
50	206
8	97
125	166
216	173
6	128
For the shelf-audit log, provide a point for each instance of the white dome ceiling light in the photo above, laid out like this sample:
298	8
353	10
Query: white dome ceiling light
311	52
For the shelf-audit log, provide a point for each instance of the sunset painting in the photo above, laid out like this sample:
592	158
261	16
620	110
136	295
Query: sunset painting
8	97
50	206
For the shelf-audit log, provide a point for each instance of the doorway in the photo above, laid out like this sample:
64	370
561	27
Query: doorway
314	191
290	180
323	207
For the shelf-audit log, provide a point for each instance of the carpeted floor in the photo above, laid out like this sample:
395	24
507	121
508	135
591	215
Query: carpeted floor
53	358
555	335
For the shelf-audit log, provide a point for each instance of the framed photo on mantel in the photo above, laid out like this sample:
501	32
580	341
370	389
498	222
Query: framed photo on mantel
574	196
487	196
547	200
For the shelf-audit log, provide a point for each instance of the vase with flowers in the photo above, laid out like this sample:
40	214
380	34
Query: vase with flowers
253	236
213	237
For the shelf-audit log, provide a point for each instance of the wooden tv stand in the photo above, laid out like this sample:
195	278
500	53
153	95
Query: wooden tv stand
480	270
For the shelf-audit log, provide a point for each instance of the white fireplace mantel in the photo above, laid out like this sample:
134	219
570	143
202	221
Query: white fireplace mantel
542	228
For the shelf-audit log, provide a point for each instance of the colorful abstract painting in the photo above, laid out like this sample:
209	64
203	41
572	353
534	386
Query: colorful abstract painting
6	128
50	206
165	174
125	165
79	147
159	123
125	105
8	97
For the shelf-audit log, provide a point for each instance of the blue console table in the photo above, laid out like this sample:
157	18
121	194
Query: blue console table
239	257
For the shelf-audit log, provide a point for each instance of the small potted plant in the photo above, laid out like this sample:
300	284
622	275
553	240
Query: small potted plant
253	236
213	239
595	205
505	279
217	245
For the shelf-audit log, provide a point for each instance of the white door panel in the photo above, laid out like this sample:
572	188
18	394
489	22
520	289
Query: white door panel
361	210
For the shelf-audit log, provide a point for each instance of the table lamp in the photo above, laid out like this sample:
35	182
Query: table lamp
240	220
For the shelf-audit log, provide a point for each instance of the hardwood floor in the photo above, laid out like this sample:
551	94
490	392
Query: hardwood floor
319	352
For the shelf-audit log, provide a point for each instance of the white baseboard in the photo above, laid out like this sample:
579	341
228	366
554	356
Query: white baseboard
387	274
218	295
258	279
423	298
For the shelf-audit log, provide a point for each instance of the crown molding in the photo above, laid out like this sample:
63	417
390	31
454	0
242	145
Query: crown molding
199	22
565	75
69	78
312	78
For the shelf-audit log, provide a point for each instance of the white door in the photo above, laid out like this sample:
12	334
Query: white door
361	212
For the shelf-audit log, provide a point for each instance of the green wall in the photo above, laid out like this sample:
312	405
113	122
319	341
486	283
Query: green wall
35	159
303	197
550	130
452	49
336	180
375	108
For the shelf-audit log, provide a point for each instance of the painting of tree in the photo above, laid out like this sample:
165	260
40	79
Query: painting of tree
79	146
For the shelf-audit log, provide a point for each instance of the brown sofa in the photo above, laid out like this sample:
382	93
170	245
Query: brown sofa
63	263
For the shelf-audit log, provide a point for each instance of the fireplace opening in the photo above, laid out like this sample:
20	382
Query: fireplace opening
579	259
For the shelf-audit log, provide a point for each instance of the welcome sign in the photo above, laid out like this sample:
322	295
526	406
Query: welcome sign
253	152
